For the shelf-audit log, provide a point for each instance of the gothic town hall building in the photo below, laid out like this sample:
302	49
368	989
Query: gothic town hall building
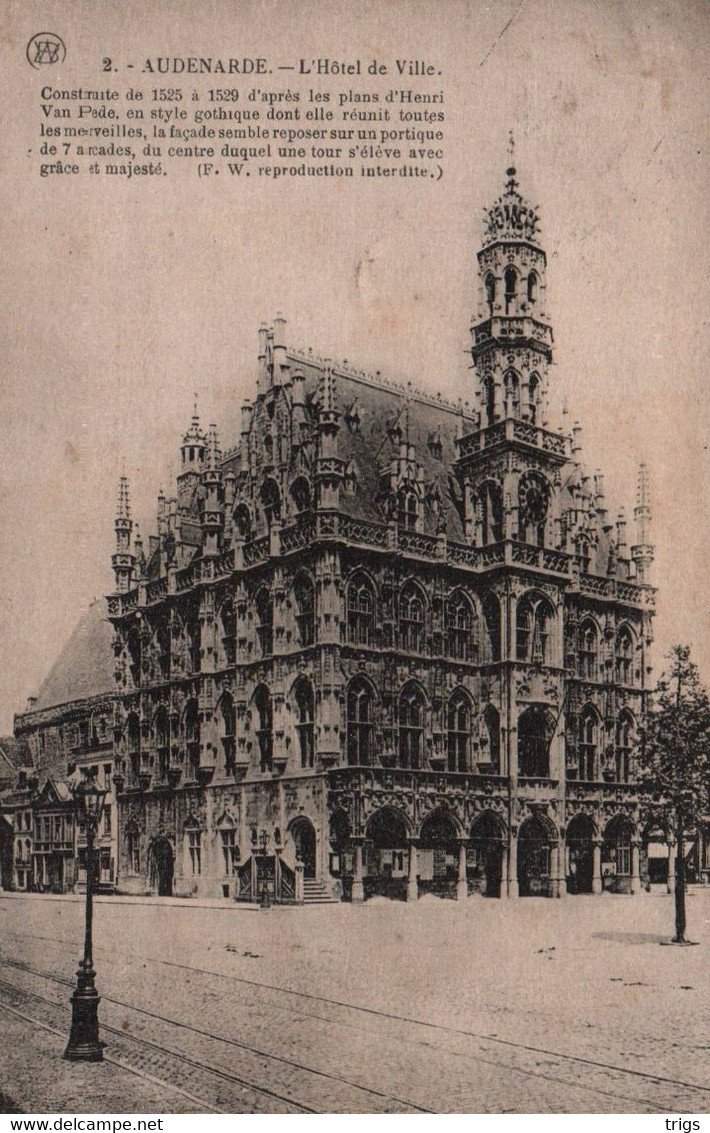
385	644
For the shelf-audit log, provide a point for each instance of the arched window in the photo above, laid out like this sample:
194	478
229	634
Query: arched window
360	727
534	735
133	743
491	618
134	656
624	744
532	287
305	711
304	599
162	642
229	847
271	501
407	510
490	285
193	839
301	494
192	738
460	638
361	612
458	731
242	521
228	623
587	745
533	625
511	287
192	638
490	496
265	622
228	729
491	719
264	727
411	618
624	653
588	648
162	741
511	385
534	396
489	393
411	726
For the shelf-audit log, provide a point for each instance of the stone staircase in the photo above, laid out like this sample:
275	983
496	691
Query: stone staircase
316	892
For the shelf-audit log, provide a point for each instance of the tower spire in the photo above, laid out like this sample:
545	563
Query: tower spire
642	552
123	560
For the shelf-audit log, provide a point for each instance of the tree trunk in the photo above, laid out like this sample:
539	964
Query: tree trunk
680	923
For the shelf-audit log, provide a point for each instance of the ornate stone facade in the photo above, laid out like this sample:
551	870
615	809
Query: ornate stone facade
385	643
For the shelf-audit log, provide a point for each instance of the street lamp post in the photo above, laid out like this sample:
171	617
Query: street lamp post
84	1044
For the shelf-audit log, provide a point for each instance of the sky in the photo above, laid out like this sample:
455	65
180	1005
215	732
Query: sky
118	300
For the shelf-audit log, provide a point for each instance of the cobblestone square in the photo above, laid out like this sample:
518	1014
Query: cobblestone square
527	1006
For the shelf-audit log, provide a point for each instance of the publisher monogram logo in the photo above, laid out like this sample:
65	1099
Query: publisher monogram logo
44	49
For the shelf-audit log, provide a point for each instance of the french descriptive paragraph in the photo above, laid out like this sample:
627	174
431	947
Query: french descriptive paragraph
332	126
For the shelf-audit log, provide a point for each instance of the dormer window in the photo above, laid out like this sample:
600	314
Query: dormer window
407	511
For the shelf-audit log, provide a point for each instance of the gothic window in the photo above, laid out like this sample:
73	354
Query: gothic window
162	742
407	510
192	633
511	288
624	652
304	599
624	743
458	730
588	648
134	656
491	504
271	501
490	284
194	849
162	641
511	385
228	730
264	728
268	448
587	745
192	738
460	641
533	507
534	397
230	850
533	624
305	710
228	623
361	612
532	287
411	726
411	618
265	622
301	494
242	521
534	735
489	393
133	730
360	727
491	719
585	557
491	618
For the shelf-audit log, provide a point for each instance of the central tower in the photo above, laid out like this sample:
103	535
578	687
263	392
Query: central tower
512	340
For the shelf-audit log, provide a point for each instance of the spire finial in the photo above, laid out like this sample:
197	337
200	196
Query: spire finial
511	146
123	509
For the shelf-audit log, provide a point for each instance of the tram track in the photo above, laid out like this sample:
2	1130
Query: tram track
622	1076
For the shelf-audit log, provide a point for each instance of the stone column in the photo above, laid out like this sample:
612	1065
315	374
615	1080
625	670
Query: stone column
635	882
597	866
672	854
561	879
513	863
504	874
358	891
412	883
462	883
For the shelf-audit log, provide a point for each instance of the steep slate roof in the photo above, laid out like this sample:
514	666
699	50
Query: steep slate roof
85	665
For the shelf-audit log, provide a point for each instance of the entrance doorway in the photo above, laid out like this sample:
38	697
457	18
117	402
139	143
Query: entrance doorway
162	867
534	858
580	847
487	836
304	839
